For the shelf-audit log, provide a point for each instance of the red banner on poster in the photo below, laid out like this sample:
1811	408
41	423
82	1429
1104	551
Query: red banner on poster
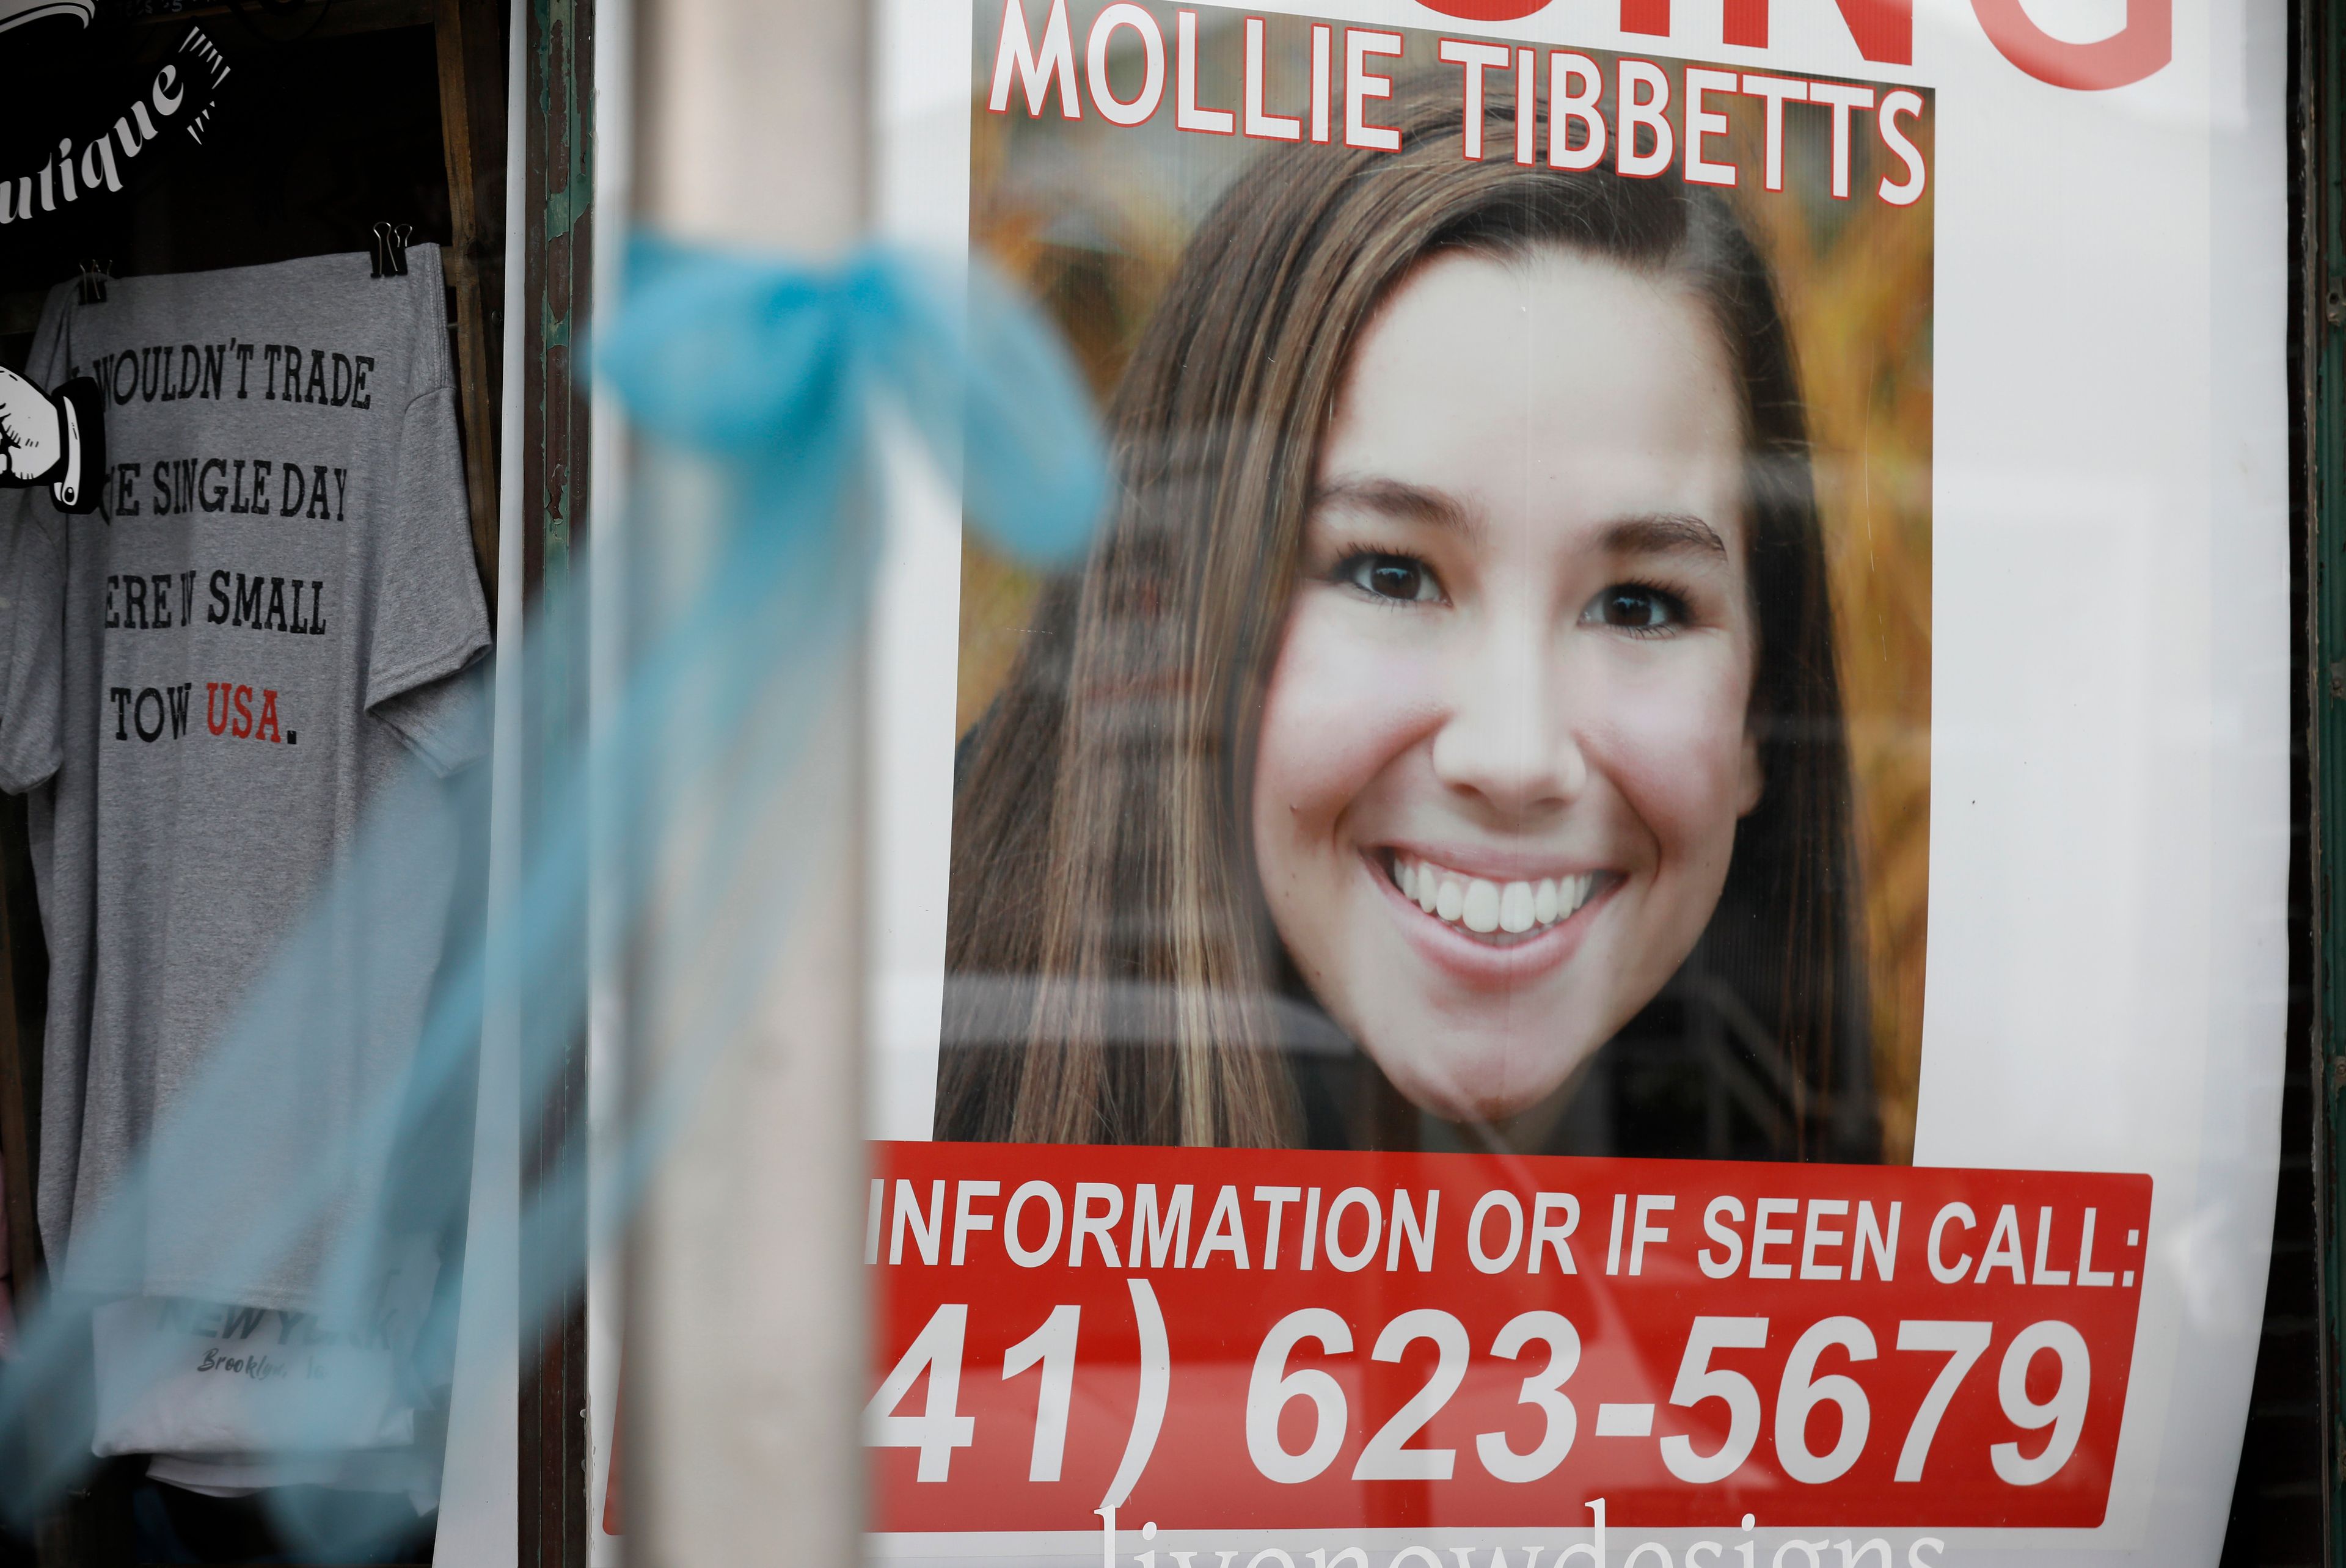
1245	1338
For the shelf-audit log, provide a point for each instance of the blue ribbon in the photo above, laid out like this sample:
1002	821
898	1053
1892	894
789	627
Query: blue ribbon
776	367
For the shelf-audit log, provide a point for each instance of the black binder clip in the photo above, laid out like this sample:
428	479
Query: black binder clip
94	277
391	242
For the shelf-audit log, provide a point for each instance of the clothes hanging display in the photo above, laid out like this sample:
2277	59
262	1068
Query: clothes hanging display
207	685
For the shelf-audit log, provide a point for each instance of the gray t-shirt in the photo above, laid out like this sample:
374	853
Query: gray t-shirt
211	686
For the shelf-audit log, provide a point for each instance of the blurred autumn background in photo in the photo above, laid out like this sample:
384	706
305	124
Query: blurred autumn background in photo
1090	218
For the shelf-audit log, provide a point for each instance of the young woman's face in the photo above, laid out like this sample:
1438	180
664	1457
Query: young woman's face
1504	746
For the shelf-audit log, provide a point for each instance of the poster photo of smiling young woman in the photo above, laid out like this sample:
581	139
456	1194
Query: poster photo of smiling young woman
1494	714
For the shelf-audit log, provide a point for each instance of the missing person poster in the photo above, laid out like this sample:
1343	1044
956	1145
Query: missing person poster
1632	912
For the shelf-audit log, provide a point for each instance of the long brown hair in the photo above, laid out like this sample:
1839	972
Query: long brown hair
1113	973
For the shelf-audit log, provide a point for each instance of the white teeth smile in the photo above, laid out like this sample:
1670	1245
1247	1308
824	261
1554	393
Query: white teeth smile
1482	906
